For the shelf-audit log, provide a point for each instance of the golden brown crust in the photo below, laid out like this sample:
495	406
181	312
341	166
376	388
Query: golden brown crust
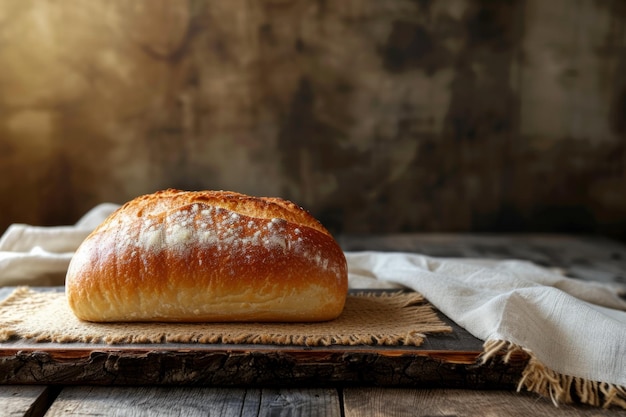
261	207
208	256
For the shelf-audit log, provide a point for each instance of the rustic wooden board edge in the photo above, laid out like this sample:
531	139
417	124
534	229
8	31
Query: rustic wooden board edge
260	367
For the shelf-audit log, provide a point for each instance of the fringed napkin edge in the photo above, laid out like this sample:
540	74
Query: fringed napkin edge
559	388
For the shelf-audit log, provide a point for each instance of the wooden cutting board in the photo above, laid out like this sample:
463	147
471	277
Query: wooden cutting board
444	360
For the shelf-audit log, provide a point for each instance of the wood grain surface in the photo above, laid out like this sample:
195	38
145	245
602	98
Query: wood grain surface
350	402
376	402
195	402
26	401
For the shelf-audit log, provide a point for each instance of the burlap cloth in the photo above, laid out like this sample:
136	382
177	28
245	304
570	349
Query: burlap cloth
368	319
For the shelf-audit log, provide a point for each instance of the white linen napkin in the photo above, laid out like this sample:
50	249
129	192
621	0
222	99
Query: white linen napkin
37	256
574	331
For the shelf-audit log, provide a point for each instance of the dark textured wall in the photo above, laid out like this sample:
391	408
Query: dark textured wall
377	116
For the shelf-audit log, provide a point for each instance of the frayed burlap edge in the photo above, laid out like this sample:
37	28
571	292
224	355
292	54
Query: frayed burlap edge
424	320
7	333
560	389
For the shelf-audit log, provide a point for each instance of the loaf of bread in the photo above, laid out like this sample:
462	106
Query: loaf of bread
208	256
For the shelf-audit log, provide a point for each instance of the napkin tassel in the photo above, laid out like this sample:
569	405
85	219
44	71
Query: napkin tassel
542	380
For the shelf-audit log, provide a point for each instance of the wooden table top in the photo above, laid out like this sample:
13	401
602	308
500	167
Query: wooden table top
586	258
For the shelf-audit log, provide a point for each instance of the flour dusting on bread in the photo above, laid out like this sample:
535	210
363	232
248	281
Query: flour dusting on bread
208	256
